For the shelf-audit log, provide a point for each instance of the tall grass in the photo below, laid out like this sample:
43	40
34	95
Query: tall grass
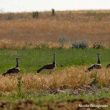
63	79
76	25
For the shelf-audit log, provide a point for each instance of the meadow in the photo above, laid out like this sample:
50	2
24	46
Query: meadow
35	40
74	83
22	28
32	59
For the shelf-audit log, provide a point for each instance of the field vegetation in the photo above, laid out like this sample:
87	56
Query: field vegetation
76	37
32	59
69	81
70	78
22	28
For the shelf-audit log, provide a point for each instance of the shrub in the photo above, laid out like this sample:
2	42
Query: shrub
9	16
62	40
53	12
80	44
98	45
35	14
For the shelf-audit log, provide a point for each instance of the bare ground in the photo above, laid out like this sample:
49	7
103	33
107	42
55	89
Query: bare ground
63	105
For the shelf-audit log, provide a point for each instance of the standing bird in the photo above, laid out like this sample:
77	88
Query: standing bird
14	70
97	65
48	66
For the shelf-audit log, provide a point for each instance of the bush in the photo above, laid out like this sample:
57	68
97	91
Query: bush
98	45
80	44
9	16
53	12
35	14
62	40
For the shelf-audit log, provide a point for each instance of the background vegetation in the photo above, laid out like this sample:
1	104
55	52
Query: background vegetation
92	26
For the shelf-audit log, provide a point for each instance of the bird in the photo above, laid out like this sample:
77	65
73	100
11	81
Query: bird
97	65
14	70
48	66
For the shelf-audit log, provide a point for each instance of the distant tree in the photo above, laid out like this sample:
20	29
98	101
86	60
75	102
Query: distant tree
53	12
35	14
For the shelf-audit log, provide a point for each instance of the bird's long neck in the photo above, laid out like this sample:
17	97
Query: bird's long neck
54	60
98	59
17	64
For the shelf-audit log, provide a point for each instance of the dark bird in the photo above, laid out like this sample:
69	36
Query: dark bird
14	70
48	66
97	65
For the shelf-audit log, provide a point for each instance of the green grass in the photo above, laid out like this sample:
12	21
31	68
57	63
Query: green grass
32	59
42	97
45	99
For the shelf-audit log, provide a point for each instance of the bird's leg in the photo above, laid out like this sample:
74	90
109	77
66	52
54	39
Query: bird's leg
50	71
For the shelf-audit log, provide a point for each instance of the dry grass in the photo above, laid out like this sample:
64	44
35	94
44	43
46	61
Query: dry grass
82	25
9	44
68	78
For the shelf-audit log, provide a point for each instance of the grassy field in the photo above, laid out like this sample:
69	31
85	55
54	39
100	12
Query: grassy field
32	59
92	26
34	40
54	102
71	65
69	78
39	89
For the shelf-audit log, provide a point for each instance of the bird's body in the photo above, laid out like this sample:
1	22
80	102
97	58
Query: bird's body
97	65
48	66
94	66
13	71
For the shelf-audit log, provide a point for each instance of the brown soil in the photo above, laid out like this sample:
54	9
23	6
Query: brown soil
64	105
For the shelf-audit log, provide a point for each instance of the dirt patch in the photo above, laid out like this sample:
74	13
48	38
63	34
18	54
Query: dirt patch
100	104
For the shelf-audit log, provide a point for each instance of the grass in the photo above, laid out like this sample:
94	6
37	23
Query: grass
89	25
70	78
32	59
28	38
38	97
72	75
42	97
71	64
47	102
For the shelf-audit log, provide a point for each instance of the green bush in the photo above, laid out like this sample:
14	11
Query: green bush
80	44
